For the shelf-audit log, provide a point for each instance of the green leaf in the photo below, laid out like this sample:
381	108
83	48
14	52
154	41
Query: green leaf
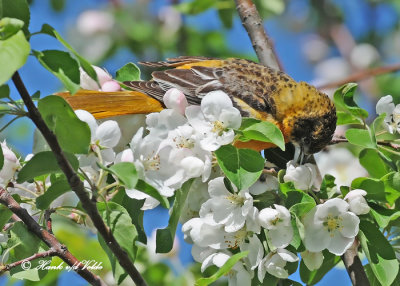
327	189
263	131
222	270
360	137
133	207
373	281
5	215
392	186
72	133
242	166
13	55
57	5
344	118
379	252
299	203
120	223
129	72
43	163
313	277
4	91
63	66
22	244
126	173
9	27
18	9
375	188
384	216
195	6
87	67
165	237
151	191
226	17
373	163
344	101
53	192
119	273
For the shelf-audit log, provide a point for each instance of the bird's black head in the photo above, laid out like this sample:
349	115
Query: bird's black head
314	132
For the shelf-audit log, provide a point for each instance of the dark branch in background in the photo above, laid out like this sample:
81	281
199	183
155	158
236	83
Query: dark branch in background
354	266
362	75
253	24
251	20
76	184
56	248
47	218
49	253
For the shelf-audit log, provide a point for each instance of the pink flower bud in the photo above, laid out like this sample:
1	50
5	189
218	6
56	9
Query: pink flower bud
175	99
110	86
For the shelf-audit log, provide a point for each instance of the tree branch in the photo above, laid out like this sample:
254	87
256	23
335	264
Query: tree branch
56	248
382	143
354	266
361	75
76	184
48	253
253	24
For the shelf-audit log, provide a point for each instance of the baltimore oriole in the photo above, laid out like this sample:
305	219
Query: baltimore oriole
306	116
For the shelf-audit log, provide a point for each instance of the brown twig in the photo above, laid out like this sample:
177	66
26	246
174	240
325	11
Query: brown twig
51	241
253	24
382	143
47	218
361	75
49	253
354	266
77	185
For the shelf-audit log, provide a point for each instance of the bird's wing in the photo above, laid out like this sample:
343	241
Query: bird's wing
194	76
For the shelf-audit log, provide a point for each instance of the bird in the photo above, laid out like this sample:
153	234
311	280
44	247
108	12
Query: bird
305	115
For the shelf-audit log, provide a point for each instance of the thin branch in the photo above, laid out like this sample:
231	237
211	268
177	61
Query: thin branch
47	218
382	143
77	185
253	24
354	266
361	75
51	241
49	253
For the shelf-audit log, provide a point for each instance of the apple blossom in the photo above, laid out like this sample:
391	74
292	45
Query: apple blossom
392	118
357	202
330	225
176	100
226	208
274	263
214	120
10	165
303	176
277	221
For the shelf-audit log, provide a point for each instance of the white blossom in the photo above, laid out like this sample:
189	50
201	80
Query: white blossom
268	183
94	21
256	251
313	260
102	76
225	208
392	118
176	100
274	263
330	225
10	165
214	120
357	202
103	137
278	223
303	176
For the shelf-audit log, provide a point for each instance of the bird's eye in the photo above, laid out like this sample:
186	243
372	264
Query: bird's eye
306	140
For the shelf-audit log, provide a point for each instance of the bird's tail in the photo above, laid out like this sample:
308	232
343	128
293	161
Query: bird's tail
108	104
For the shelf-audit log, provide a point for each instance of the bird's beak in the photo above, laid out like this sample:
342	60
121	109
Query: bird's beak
298	154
